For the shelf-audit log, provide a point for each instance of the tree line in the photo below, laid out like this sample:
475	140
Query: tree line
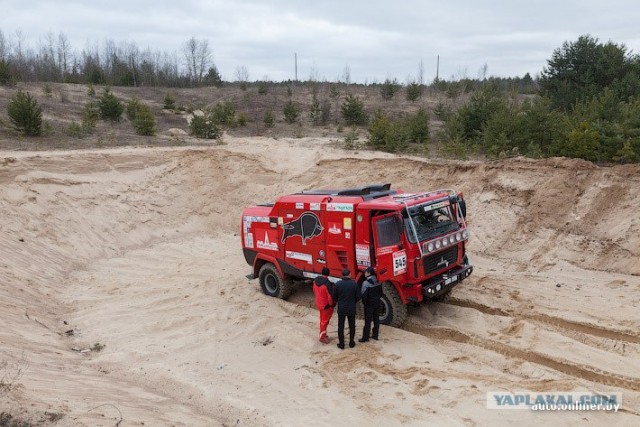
588	106
585	103
117	64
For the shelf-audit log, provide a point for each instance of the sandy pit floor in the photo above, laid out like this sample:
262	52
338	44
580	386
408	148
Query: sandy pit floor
125	299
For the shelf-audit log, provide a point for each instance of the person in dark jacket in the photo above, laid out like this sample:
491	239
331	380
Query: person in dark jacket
371	299
322	289
346	294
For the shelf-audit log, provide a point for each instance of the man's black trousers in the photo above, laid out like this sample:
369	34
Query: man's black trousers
352	327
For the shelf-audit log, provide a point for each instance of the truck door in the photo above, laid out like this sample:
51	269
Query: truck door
390	257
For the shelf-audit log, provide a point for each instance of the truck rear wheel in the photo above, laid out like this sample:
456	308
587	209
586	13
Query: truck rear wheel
392	312
272	284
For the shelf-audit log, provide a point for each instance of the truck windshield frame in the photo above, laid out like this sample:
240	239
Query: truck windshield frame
429	223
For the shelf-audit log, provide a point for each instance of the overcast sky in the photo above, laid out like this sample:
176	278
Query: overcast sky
377	39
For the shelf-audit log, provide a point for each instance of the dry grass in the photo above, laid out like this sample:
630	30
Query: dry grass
62	105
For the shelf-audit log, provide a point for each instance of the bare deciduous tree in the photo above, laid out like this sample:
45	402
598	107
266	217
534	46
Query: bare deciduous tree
241	74
64	53
4	47
198	58
346	74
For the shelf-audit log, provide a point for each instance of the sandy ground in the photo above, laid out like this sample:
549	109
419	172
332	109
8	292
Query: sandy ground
137	250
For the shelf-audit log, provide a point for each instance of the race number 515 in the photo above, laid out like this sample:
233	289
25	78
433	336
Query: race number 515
399	263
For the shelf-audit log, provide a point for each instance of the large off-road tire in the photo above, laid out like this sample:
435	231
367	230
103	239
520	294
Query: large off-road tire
392	312
272	284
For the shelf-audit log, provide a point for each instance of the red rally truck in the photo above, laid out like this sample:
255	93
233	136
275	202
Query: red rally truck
416	242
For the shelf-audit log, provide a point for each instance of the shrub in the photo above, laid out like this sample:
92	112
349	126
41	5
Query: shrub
47	90
74	130
144	121
242	119
351	139
583	142
379	129
169	101
353	111
443	111
25	114
385	134
290	112
326	112
389	89
414	91
315	112
418	127
263	88
133	105
6	76
333	91
110	106
91	91
224	114
454	149
203	126
90	116
269	120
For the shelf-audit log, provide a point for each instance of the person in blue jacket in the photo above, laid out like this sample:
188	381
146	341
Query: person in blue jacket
346	294
371	299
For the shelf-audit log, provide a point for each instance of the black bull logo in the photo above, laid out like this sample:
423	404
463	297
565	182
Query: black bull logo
306	226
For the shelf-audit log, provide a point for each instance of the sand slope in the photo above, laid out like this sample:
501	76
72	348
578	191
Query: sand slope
137	249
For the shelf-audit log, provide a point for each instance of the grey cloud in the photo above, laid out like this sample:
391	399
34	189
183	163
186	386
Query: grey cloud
377	39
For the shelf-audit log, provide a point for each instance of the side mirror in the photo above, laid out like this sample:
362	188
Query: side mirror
462	205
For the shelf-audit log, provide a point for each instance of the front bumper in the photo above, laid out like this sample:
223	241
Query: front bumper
445	282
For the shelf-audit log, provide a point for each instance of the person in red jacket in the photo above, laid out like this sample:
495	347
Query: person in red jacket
322	289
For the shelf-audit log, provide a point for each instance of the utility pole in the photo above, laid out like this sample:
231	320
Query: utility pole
438	69
295	56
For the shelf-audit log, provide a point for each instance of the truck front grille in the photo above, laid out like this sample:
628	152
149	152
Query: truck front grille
440	260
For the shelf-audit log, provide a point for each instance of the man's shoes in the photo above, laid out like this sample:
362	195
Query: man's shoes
375	338
340	346
363	339
352	344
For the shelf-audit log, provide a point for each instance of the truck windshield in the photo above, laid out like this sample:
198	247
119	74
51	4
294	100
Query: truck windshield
430	224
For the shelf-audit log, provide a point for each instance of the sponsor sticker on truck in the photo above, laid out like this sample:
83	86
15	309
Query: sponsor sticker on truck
340	207
363	255
269	242
399	262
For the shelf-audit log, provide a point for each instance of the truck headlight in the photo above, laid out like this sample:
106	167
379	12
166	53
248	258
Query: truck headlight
438	244
444	242
451	239
465	234
458	237
430	247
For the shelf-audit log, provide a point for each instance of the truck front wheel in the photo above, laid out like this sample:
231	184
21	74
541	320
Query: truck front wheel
392	311
272	284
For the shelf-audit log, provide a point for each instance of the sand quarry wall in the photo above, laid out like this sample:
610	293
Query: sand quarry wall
64	213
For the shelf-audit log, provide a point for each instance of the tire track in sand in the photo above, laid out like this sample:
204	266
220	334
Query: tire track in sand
557	322
585	372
